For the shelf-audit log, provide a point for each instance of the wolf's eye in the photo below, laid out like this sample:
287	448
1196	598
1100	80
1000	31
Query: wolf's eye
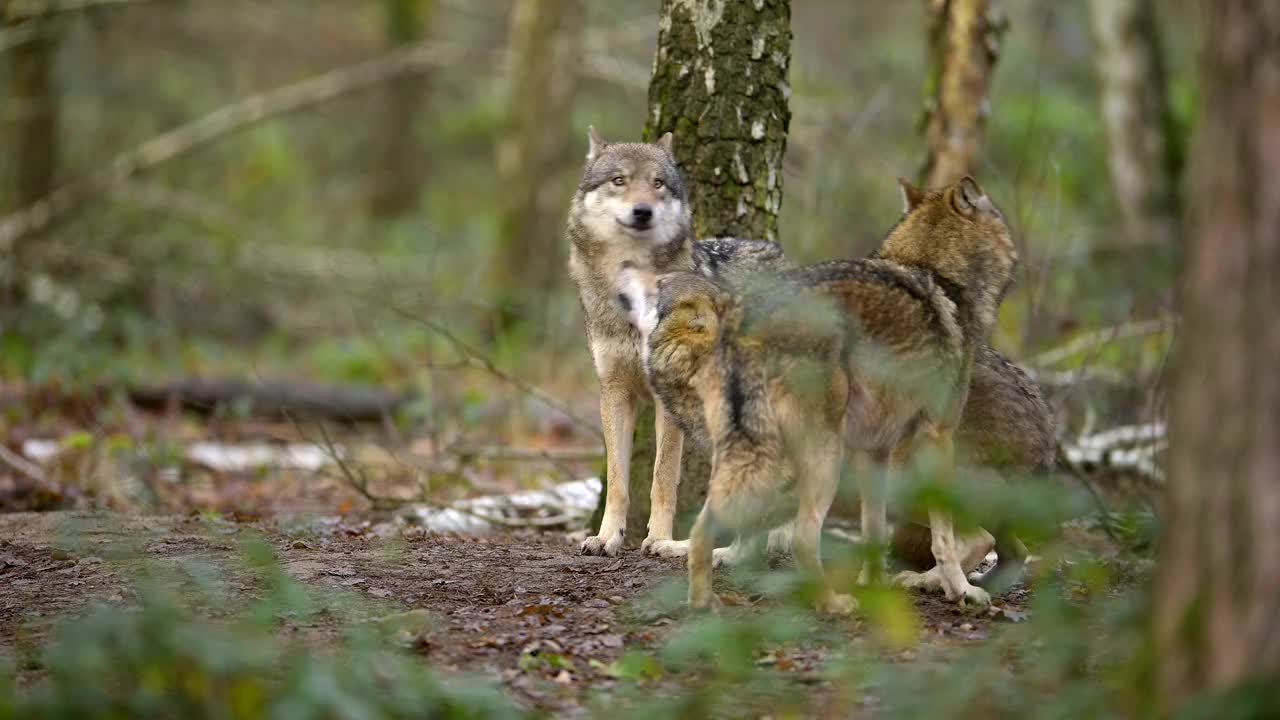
619	181
657	183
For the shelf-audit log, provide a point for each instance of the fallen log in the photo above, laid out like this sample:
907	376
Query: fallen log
273	398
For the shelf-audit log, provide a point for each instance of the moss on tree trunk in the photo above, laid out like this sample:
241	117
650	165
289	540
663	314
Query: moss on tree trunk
720	84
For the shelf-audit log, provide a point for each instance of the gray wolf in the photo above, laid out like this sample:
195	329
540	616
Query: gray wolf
631	206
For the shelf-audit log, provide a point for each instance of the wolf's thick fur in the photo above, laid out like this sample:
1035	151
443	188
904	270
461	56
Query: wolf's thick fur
897	333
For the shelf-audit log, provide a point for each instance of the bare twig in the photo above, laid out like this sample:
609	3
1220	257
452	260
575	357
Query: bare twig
12	37
1068	378
22	465
221	122
21	10
517	454
481	361
1098	338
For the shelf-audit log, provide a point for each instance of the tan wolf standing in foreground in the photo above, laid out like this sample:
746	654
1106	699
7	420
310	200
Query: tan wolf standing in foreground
880	350
631	206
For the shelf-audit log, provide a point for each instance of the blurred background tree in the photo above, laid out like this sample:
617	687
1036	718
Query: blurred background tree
964	44
402	166
543	58
1141	153
1217	598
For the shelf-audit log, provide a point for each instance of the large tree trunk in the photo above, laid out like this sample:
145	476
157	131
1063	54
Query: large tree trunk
1217	597
964	37
1135	112
545	47
30	115
720	84
397	181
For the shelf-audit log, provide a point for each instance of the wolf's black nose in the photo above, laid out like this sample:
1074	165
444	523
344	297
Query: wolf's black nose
642	213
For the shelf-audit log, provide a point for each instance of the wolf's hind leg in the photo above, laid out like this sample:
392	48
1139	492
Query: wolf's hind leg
817	476
939	445
701	540
872	482
618	417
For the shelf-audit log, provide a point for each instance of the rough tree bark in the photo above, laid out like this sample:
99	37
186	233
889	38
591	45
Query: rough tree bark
964	42
1135	112
397	180
720	84
545	47
1217	597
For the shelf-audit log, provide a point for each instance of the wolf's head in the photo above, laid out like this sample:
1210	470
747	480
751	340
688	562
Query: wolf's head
959	234
631	192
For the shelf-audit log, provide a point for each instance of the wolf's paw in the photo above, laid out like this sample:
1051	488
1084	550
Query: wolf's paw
926	581
664	547
601	545
970	595
868	577
835	604
779	542
711	603
727	556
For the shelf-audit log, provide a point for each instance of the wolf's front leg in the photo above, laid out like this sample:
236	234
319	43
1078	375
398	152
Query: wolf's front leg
618	418
666	481
701	540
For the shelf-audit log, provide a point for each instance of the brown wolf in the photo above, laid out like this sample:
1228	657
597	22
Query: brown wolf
896	334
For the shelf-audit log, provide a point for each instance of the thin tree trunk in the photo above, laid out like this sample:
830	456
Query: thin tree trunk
545	48
964	42
401	162
720	84
30	132
1135	112
1217	596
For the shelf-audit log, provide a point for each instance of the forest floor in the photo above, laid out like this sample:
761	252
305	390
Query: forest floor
523	608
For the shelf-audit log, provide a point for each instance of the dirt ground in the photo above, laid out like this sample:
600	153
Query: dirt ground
487	603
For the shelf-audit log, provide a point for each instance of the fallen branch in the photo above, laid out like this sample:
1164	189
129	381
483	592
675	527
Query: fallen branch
274	398
221	122
1127	449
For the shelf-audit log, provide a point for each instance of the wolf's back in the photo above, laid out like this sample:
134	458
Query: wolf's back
733	259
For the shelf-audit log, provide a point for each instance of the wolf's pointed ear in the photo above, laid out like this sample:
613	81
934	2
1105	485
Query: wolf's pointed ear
594	142
667	142
912	196
968	195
